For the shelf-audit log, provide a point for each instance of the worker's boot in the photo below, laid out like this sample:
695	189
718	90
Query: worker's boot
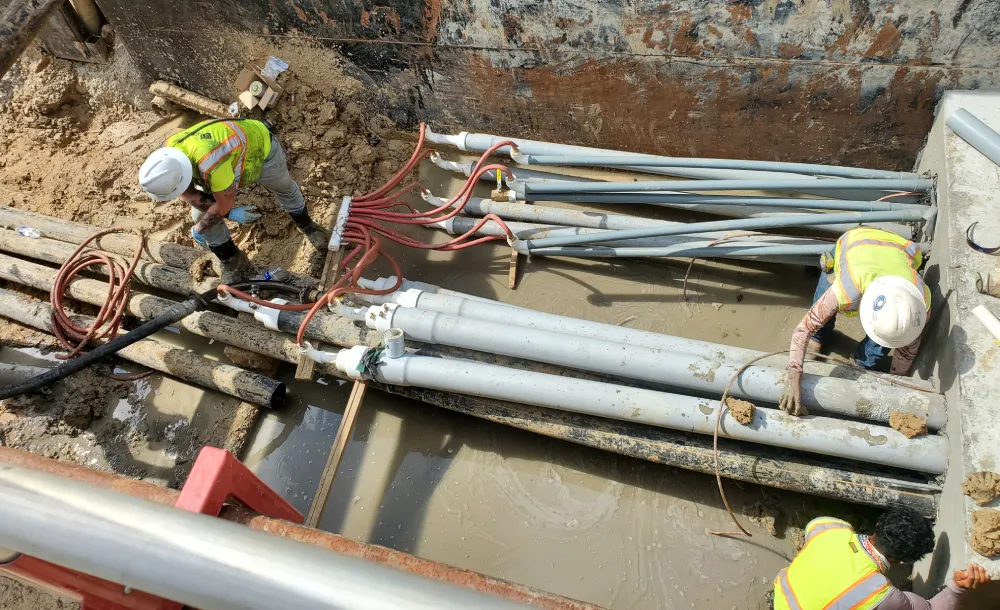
313	232
236	267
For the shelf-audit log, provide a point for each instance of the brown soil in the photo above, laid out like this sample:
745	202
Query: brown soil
908	424
741	410
764	514
982	487
16	596
985	536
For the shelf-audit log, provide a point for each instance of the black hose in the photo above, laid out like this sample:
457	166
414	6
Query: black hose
197	302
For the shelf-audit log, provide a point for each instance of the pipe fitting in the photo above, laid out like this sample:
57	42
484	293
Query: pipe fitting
337	307
380	317
310	352
224	298
395	344
268	316
517	156
349	361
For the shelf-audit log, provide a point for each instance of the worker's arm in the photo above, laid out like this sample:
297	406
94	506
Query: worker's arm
224	201
199	200
818	315
947	599
903	357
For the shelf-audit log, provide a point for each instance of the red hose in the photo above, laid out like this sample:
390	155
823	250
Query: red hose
108	320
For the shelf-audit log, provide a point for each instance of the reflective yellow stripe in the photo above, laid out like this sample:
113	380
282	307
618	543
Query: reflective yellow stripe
217	154
860	592
818	529
238	170
237	141
791	601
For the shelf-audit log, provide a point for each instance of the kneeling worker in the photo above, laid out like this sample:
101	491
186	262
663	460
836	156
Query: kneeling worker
873	273
204	165
839	569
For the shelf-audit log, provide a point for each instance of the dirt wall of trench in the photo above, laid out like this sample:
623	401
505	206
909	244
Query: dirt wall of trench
837	81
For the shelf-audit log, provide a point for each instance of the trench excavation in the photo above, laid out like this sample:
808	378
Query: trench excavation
595	372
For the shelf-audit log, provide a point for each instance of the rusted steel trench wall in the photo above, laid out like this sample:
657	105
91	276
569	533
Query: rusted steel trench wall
830	81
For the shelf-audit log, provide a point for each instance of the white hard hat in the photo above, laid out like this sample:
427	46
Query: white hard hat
166	174
893	311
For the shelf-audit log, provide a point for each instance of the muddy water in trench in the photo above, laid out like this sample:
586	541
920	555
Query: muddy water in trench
590	525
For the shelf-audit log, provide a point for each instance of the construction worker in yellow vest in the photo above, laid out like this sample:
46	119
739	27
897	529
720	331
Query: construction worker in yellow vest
873	274
838	569
206	164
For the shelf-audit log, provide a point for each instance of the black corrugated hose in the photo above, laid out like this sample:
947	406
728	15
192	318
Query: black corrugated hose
197	302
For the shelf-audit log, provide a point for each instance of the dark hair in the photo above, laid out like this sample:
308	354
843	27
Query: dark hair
902	535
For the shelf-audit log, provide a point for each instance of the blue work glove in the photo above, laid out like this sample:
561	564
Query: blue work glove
199	238
244	215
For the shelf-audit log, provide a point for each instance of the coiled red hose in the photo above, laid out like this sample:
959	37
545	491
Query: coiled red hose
108	320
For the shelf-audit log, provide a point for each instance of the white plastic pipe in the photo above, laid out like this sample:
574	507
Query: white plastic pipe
990	321
871	401
199	560
867	443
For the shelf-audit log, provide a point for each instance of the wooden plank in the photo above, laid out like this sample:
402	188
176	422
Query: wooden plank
336	453
512	273
305	368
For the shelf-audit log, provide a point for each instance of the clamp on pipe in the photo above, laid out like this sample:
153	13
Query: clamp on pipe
380	317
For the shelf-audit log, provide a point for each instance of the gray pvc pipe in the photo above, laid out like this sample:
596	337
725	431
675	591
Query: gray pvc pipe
480	142
434	298
867	443
772	202
977	133
618	161
733	225
198	560
703	249
603	220
677	370
803	253
915	184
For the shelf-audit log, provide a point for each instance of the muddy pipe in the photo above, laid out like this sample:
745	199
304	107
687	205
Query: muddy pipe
245	385
123	244
190	99
19	23
744	462
706	376
820	435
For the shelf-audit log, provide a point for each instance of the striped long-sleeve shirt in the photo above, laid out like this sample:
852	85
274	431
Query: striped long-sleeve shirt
819	314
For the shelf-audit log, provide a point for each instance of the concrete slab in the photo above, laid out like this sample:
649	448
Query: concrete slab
963	355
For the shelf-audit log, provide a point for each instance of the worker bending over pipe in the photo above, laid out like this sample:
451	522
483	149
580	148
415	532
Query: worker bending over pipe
838	568
227	154
871	273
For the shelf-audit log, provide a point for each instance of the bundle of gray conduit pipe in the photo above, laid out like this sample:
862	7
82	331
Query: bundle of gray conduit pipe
818	198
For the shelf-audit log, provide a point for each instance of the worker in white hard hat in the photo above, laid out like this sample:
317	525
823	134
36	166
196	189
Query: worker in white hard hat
204	166
873	274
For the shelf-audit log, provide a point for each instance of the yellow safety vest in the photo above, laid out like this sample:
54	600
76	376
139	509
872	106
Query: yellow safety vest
831	572
863	255
224	153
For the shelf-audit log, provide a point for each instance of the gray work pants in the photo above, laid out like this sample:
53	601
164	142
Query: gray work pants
275	177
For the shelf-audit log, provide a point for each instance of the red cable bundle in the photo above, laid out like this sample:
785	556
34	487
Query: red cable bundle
378	205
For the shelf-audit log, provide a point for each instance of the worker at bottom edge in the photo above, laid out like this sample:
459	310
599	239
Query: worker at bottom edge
838	568
873	274
206	164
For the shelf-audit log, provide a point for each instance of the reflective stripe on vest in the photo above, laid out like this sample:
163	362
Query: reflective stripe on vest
862	591
831	572
823	525
846	283
236	141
